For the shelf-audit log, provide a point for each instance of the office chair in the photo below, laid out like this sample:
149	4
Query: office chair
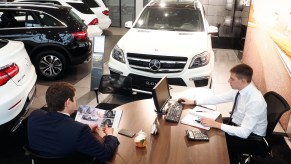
114	84
76	159
276	107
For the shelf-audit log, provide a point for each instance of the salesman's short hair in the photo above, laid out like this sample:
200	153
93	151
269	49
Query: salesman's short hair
243	71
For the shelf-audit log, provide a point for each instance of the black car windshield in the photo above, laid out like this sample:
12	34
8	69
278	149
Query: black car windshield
73	16
176	19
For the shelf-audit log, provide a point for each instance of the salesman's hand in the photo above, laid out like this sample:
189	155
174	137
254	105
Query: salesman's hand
107	130
94	128
186	101
209	122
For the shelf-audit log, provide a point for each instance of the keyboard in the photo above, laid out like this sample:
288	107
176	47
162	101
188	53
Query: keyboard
174	112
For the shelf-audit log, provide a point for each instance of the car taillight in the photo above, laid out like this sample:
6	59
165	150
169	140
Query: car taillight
80	35
7	72
106	12
94	22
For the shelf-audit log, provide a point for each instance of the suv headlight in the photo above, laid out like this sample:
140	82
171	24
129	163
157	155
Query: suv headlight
200	60
118	54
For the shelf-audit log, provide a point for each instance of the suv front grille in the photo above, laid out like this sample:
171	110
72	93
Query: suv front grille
147	83
155	63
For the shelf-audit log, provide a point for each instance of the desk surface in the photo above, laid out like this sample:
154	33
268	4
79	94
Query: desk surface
171	145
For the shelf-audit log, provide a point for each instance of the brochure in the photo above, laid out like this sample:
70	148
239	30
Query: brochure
193	117
91	115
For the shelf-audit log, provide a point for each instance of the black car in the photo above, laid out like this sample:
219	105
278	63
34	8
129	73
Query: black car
54	36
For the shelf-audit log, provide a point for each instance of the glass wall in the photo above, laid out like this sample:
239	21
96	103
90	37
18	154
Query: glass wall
121	11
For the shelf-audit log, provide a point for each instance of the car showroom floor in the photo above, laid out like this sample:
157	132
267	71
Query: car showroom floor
80	77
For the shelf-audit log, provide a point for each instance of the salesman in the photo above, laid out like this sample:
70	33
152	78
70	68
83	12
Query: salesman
249	114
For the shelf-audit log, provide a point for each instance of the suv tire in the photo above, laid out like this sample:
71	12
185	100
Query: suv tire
50	64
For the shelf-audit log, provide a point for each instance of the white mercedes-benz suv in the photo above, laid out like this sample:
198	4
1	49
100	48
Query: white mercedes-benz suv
168	38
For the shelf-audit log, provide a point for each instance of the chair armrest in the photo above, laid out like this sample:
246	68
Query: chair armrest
259	139
255	138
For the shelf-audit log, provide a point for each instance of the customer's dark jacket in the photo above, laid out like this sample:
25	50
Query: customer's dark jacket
54	134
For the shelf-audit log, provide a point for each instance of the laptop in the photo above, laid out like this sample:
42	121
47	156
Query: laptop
161	95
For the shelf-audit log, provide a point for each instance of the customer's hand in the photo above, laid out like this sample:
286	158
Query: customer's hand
107	130
94	128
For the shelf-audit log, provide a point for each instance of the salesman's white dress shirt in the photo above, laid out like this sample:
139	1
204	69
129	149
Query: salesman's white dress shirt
250	114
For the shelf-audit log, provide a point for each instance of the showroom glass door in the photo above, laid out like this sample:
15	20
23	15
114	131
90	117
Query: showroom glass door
121	11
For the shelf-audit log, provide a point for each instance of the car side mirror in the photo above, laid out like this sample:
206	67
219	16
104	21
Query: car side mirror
128	24
213	30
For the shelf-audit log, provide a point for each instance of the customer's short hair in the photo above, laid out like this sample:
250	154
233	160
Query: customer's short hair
57	94
243	71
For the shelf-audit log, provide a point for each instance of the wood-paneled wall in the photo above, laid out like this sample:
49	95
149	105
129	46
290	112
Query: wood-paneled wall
270	73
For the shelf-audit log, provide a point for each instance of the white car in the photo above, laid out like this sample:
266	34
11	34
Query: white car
80	9
170	39
17	83
102	12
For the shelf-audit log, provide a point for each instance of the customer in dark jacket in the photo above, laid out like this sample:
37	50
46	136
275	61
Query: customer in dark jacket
54	133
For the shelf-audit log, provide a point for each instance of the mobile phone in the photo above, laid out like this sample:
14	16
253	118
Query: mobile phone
125	132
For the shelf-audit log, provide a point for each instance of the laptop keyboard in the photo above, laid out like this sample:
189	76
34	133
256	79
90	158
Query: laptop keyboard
174	112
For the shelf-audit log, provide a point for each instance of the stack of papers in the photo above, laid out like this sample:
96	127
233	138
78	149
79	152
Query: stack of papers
200	112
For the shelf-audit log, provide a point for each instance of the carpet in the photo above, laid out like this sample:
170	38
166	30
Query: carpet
281	152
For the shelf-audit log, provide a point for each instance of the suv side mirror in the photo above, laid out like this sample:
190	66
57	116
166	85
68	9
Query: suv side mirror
213	30
128	24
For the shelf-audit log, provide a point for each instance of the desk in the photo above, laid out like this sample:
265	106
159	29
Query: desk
171	145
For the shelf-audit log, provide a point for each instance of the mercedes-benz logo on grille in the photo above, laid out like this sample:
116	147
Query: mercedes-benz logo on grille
155	64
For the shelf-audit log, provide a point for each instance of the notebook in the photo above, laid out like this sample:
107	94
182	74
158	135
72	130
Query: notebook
197	113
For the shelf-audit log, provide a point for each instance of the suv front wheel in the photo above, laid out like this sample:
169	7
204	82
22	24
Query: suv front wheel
50	64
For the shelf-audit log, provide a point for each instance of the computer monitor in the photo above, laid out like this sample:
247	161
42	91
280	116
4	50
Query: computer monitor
161	94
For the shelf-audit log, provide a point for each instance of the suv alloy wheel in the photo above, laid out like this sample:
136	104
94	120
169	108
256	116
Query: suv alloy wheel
50	64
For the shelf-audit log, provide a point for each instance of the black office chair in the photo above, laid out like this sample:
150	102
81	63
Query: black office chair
114	84
276	107
74	159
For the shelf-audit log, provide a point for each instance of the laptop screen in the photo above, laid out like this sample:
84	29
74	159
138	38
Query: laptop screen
161	94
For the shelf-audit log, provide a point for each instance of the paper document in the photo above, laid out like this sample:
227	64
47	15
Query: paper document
90	115
198	112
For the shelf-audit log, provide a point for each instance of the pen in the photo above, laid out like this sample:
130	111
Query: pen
200	111
205	107
198	121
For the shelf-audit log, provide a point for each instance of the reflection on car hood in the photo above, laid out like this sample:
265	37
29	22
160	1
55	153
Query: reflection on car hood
170	43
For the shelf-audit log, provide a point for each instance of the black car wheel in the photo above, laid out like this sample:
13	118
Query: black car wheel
50	65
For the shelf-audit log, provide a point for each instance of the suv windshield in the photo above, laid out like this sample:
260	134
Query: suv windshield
81	7
91	3
180	19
